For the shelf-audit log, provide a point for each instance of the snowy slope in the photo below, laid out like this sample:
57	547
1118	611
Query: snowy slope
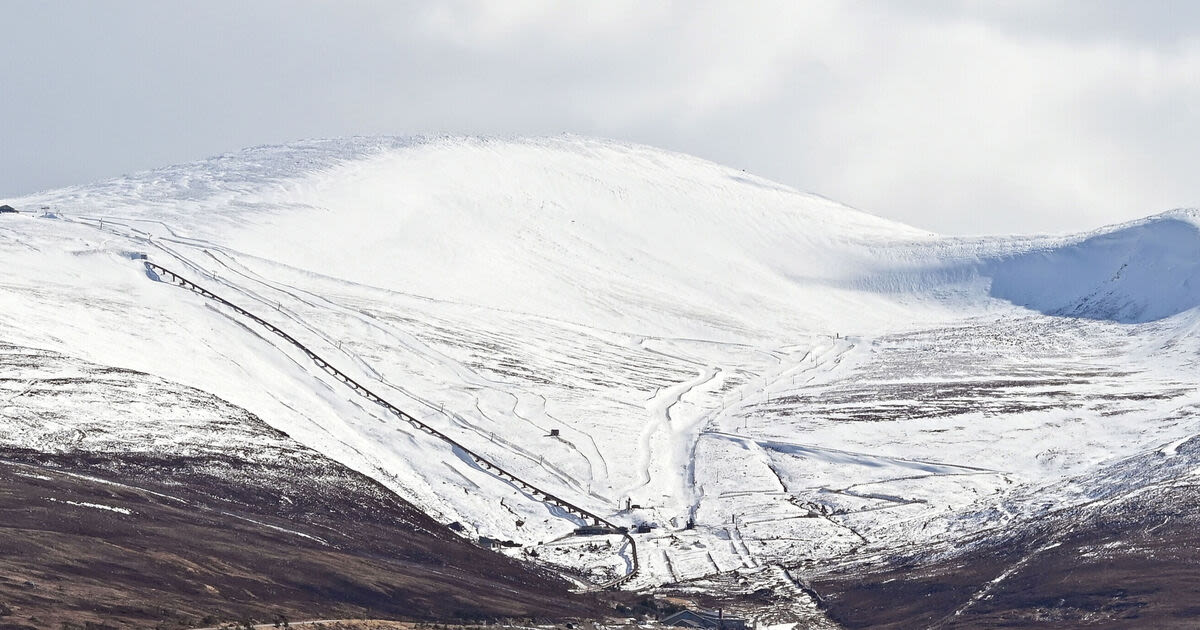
798	379
565	228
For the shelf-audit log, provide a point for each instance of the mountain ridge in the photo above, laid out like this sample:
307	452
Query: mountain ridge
761	378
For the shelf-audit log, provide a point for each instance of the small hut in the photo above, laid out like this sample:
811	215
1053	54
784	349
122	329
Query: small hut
704	620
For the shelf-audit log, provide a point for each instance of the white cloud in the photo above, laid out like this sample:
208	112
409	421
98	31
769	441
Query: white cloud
958	116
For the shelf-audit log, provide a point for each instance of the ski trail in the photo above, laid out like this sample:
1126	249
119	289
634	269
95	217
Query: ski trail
516	412
603	463
562	477
113	227
318	302
417	348
414	347
667	435
779	372
565	478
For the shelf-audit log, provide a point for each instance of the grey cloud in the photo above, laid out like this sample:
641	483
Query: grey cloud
1154	23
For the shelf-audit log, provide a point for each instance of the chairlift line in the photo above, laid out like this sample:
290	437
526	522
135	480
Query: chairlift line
535	492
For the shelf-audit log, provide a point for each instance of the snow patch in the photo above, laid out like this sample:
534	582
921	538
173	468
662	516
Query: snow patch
96	506
1171	449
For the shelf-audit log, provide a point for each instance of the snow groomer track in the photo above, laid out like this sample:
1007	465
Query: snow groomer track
165	275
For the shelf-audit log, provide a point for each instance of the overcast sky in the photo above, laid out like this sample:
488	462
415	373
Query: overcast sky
955	116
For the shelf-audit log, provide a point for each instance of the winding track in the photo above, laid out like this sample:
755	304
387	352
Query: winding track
164	274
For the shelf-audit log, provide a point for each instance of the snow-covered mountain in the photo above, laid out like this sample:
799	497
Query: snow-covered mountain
767	377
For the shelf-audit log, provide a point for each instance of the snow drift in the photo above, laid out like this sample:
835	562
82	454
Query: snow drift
1137	272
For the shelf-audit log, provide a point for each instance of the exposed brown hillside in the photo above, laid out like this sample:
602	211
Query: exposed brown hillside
207	540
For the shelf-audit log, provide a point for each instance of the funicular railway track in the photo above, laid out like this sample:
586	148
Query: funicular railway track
164	274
